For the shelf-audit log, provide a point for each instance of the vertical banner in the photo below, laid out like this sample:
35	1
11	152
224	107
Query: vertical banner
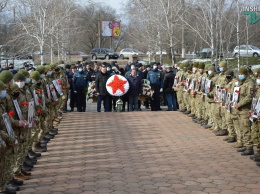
106	28
115	28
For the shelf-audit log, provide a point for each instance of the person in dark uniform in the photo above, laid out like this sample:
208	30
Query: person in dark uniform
80	85
156	80
11	68
73	95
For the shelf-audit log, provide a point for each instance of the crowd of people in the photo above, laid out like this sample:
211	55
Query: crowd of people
31	105
32	102
226	102
80	75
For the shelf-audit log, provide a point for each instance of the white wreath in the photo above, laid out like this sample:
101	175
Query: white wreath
118	91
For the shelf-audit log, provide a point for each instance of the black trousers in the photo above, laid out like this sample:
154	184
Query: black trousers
81	101
155	101
73	99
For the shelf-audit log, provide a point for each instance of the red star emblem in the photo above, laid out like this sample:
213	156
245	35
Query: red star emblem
117	84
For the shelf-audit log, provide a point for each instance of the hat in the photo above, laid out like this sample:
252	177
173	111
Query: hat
35	75
53	66
67	66
229	72
211	68
196	64
201	66
243	70
6	76
2	85
47	68
207	66
19	76
24	72
223	64
14	87
41	69
189	67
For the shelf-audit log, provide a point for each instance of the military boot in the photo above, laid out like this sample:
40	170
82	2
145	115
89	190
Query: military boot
26	173
35	153
16	181
28	163
238	145
226	138
26	168
222	133
191	115
52	133
247	152
231	140
54	129
187	112
21	176
207	126
11	189
256	156
242	149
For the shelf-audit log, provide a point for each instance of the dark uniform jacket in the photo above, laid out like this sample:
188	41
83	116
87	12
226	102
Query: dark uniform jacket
168	81
155	77
80	81
100	83
135	85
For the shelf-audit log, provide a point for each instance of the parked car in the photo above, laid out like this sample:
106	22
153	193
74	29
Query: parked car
246	51
127	52
103	53
163	51
207	53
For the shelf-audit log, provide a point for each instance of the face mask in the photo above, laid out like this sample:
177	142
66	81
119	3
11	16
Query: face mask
194	70
132	67
241	77
236	83
49	73
34	82
3	94
178	68
28	80
228	77
154	67
42	76
63	65
108	69
20	84
221	69
80	69
258	81
209	72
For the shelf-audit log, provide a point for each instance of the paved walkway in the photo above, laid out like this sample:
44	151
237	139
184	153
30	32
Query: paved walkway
139	152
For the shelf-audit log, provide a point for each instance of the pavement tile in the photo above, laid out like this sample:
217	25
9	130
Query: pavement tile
132	153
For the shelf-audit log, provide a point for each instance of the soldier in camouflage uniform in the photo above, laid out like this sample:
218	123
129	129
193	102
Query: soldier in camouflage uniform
246	93
210	92
255	133
228	117
6	144
221	127
40	112
186	91
11	152
32	130
194	78
199	95
180	75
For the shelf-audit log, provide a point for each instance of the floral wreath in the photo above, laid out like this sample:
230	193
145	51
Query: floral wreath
91	91
117	85
146	88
